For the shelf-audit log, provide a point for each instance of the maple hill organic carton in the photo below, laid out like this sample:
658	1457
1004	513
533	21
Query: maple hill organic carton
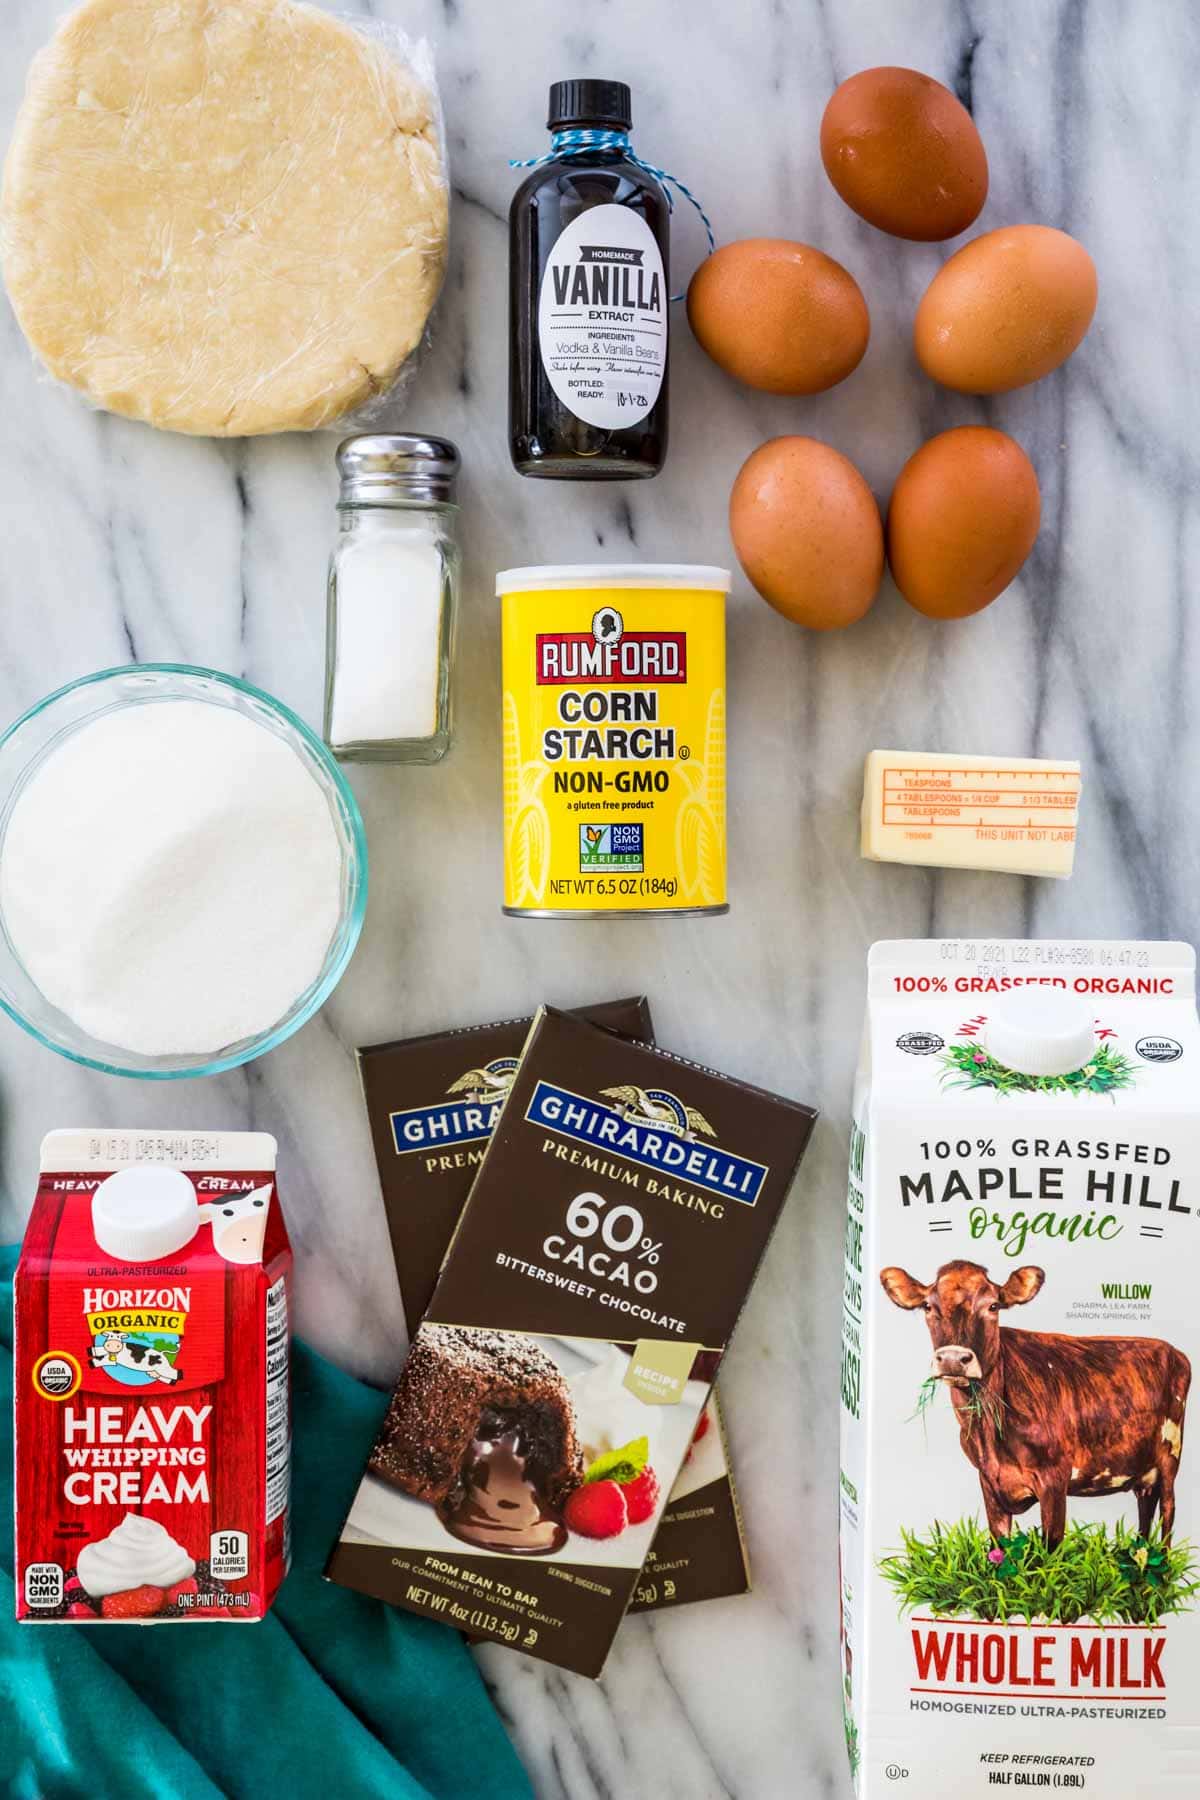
624	1195
152	1423
1019	1504
432	1102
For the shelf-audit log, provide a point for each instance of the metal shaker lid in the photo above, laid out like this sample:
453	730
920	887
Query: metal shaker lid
390	468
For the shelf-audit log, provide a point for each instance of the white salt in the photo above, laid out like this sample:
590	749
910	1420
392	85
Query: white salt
170	878
389	628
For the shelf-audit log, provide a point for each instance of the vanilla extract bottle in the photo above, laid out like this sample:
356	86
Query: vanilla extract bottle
588	298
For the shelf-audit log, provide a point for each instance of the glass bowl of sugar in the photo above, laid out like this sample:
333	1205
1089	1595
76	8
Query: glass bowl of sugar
183	872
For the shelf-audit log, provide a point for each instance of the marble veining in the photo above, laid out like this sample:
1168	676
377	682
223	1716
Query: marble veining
120	543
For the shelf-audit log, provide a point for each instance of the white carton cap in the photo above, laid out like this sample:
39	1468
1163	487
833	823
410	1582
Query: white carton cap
144	1213
1038	1031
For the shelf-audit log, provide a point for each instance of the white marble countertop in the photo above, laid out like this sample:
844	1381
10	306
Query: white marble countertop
123	544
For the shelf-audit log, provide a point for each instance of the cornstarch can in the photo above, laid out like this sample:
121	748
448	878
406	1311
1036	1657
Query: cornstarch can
614	739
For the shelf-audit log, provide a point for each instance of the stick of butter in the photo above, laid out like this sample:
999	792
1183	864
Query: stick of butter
1011	814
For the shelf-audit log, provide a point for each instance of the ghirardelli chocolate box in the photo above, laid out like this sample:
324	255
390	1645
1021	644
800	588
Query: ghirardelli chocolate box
152	1407
616	1224
432	1102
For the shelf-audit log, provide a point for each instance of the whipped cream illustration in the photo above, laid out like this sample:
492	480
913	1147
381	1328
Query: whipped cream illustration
607	1415
136	1551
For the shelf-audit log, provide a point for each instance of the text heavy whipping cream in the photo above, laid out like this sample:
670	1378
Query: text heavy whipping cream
1020	1506
152	1411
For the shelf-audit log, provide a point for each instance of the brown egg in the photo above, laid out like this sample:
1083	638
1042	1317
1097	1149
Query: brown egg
1005	310
904	154
779	316
807	532
964	514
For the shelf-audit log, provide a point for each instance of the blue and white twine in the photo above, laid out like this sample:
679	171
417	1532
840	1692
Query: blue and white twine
578	140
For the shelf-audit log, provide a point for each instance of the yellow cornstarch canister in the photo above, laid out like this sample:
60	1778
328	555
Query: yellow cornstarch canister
614	739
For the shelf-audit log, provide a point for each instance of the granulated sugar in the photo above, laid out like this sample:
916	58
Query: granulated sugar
170	878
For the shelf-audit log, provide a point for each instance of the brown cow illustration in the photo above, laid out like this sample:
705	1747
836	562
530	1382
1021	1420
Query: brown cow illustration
1041	1414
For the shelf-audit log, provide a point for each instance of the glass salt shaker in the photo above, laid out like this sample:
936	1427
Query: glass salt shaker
393	593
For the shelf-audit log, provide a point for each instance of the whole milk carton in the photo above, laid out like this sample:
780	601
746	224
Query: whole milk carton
152	1412
1020	1590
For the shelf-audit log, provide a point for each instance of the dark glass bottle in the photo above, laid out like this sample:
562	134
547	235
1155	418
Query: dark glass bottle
589	291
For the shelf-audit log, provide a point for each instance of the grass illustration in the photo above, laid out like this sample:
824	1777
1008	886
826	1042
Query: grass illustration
979	1404
1115	1578
970	1066
852	1750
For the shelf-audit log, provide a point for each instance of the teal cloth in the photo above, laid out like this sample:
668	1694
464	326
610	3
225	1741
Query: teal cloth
332	1695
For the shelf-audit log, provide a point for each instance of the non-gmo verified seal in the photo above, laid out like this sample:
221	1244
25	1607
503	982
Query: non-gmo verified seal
920	1043
1159	1049
57	1375
612	847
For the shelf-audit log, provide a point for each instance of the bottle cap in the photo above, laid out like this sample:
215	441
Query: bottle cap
142	1214
382	469
1040	1031
587	102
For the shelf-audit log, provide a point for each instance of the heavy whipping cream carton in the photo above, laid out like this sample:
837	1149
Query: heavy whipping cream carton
1020	1583
152	1411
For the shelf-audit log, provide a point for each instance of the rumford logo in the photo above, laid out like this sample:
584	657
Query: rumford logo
652	1127
135	1333
609	654
461	1121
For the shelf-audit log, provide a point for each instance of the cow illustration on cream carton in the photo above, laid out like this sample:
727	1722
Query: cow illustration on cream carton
1020	1517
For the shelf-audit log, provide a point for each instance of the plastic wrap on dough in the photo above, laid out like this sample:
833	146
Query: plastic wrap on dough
226	217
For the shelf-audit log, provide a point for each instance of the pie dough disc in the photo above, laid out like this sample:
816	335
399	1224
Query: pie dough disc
222	216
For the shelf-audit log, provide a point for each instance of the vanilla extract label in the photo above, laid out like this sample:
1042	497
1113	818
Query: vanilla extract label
607	275
602	317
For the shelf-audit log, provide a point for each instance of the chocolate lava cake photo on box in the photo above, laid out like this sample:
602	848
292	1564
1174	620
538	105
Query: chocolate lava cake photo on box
481	1427
482	1442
